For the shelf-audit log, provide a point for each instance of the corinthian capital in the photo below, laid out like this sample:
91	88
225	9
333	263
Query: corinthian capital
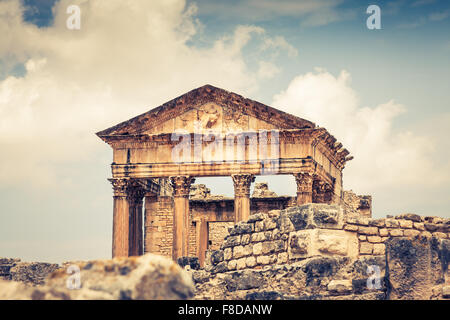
304	181
242	184
181	185
119	187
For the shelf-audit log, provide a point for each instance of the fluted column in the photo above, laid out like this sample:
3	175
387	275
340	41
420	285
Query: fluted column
304	182
181	186
121	212
242	183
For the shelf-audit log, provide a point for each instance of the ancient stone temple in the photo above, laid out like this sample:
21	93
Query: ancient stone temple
203	133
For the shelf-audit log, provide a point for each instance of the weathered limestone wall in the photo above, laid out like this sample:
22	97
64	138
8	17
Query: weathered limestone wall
329	251
158	226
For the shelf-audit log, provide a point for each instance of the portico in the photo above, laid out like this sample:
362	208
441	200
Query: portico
212	132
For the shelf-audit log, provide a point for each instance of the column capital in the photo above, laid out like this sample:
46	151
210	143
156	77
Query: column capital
181	185
242	184
135	192
119	186
304	181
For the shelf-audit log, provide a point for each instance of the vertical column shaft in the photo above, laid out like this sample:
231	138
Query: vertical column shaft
242	183
202	240
150	204
121	211
181	186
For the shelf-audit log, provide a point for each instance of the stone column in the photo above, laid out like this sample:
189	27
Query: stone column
242	184
121	212
151	207
304	182
135	195
202	240
181	186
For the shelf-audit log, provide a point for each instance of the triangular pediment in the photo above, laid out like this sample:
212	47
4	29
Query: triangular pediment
210	108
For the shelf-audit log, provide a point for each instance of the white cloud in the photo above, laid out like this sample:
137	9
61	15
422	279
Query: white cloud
128	57
384	157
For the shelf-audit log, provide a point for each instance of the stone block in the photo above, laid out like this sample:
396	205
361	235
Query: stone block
283	257
426	234
227	254
351	227
263	260
244	280
408	262
316	215
250	261
379	248
340	286
238	252
270	224
440	235
405	223
245	239
365	248
308	243
241	228
410	233
362	237
409	216
368	230
362	221
377	222
392	223
232	265
395	232
257	248
257	217
231	241
259	226
241	263
374	239
284	223
419	226
257	237
431	227
326	216
299	244
383	232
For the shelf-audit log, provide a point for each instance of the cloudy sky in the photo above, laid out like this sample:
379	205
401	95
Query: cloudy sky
383	93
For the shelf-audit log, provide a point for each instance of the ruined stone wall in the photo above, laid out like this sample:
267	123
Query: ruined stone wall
31	273
359	204
158	226
329	251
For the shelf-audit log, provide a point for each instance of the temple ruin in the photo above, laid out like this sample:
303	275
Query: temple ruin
211	132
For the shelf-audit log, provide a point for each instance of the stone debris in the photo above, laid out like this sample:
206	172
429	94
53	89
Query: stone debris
148	277
261	190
